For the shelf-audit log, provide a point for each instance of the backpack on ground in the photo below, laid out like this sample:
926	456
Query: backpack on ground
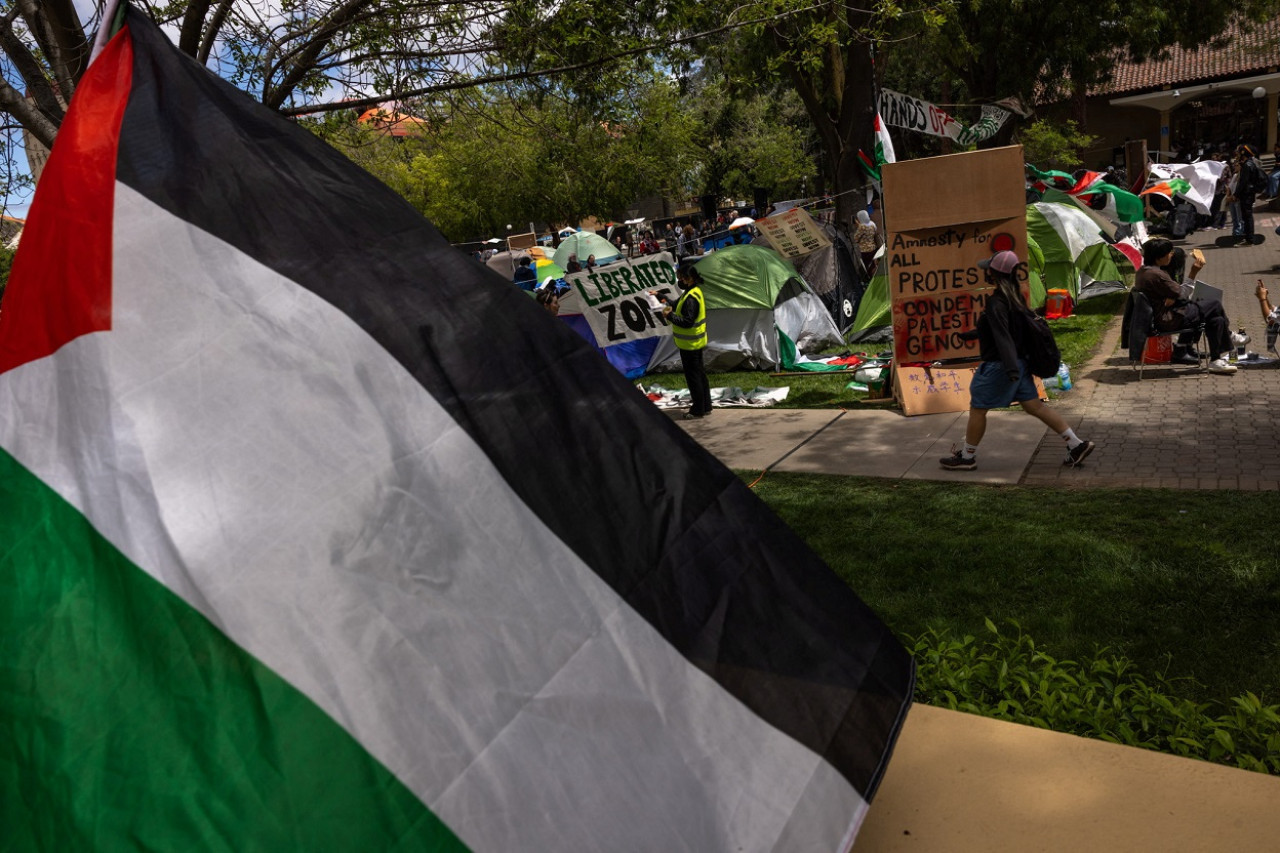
1043	357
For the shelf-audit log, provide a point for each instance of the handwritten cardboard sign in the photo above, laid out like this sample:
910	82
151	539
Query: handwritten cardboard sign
942	216
937	290
930	389
793	233
923	390
612	298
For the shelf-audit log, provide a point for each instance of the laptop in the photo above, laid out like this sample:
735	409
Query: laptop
1197	291
1202	292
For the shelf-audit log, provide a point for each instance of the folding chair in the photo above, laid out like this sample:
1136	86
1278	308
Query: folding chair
1142	326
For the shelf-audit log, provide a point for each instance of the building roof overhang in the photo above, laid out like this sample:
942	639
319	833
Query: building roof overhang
1172	97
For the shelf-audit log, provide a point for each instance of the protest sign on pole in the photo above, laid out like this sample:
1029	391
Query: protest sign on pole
942	216
793	233
613	299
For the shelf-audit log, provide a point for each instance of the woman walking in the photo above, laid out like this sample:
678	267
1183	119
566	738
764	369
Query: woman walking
1003	377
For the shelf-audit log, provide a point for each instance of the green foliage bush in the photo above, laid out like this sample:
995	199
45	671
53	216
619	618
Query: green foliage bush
1006	676
1052	145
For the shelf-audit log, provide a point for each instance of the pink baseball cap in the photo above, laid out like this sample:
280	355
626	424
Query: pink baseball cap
1000	262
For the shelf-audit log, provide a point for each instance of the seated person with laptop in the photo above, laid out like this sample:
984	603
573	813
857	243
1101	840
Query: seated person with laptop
1193	290
1174	312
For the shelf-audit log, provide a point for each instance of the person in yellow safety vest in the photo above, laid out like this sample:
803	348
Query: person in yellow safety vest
688	318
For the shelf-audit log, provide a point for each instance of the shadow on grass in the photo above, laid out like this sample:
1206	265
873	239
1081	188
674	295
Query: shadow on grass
1198	598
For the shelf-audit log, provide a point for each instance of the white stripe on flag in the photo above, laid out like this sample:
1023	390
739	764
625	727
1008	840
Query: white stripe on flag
252	448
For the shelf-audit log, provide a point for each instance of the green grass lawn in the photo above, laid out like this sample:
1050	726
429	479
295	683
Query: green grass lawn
1197	598
1077	336
1183	585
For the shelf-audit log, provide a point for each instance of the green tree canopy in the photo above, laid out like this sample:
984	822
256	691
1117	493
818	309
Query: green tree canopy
534	155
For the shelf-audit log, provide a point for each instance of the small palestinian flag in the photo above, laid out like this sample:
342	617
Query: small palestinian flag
1168	189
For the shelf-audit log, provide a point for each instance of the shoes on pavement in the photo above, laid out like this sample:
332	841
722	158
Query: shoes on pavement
1076	455
1187	358
957	461
691	416
1221	365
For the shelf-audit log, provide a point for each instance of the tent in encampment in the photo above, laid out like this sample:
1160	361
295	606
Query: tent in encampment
754	297
584	244
873	321
1065	250
833	273
1077	257
505	262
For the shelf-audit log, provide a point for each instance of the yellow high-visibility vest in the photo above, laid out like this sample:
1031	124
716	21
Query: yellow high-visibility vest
695	336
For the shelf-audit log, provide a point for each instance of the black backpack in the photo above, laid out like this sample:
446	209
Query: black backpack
1257	175
1043	357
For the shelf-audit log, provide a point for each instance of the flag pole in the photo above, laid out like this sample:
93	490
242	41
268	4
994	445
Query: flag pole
112	21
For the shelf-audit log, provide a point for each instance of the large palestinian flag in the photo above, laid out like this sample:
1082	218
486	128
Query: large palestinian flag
315	534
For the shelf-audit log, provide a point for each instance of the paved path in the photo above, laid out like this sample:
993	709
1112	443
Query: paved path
1177	428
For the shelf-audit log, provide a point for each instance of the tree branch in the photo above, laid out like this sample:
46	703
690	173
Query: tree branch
25	111
211	32
650	47
43	98
192	26
301	65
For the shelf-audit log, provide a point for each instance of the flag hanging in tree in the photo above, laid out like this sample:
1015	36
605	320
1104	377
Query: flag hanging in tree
319	535
884	145
883	153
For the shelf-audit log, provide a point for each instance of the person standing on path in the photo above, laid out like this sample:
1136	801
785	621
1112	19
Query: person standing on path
688	318
1251	177
1003	378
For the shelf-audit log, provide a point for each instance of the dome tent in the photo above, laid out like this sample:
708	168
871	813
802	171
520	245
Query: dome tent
583	244
753	296
1077	258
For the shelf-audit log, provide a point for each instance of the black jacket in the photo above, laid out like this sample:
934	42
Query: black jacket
1000	332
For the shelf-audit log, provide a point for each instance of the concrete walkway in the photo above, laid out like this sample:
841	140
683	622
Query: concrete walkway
1177	428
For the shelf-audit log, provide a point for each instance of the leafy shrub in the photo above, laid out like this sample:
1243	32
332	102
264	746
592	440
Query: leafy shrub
1051	145
1009	678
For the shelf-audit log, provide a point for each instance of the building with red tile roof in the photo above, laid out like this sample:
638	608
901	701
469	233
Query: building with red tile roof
1223	93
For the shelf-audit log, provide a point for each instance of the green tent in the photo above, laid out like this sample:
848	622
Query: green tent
756	300
1075	252
874	309
746	276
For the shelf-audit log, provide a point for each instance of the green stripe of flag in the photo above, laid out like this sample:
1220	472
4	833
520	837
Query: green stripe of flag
131	720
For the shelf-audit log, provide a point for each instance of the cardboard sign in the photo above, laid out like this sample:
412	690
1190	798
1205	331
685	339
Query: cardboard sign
937	290
612	298
929	390
522	241
942	216
793	233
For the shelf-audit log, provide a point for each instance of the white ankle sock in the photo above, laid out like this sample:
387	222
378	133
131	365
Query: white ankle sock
1069	436
970	450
